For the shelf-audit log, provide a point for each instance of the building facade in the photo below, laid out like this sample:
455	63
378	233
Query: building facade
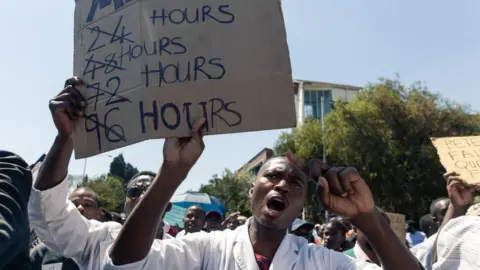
255	163
315	99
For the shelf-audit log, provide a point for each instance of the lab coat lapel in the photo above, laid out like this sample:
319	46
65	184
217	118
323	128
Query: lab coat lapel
243	250
286	255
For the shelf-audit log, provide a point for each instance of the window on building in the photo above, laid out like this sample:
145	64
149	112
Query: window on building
312	102
256	169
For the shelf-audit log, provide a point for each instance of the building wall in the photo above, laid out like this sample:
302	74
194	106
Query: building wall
253	165
308	99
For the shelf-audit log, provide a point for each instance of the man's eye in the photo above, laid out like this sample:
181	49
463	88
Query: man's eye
273	175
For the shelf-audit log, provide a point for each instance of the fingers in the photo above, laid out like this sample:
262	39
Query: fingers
74	81
334	182
341	180
323	190
447	175
299	165
69	100
198	130
317	168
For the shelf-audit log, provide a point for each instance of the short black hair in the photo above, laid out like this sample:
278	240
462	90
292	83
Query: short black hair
149	173
196	206
432	205
95	195
425	223
339	222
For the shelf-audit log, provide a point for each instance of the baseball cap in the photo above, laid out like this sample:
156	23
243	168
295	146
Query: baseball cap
302	223
213	214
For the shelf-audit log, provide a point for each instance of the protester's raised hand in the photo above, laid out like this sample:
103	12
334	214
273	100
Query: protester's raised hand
67	106
233	216
182	153
459	192
341	190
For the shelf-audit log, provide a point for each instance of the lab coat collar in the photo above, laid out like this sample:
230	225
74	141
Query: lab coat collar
285	256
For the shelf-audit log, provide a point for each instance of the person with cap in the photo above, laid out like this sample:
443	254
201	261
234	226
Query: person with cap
213	221
57	221
277	196
303	229
15	186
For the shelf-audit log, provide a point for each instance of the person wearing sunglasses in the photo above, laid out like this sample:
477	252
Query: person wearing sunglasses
136	187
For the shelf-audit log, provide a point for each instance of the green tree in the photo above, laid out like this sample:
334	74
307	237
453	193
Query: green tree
385	133
110	191
304	141
232	189
121	169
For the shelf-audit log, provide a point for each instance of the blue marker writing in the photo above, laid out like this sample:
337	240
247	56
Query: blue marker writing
101	4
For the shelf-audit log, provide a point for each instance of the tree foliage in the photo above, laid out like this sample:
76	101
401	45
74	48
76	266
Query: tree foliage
385	133
110	191
121	169
232	189
304	141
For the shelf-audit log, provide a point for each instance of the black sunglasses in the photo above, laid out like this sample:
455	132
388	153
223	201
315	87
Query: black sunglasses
135	192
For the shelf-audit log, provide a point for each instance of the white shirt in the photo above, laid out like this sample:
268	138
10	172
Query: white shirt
59	225
458	245
233	250
423	252
182	233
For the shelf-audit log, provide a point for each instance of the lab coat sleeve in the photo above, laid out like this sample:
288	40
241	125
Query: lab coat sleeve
62	228
327	259
172	254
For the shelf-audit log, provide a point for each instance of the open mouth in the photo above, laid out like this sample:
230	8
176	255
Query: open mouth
276	204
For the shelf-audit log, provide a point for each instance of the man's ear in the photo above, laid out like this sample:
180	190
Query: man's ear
250	192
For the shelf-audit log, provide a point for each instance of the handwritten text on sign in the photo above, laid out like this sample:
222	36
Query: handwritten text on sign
460	154
153	67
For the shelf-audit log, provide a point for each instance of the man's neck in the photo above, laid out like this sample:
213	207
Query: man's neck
265	241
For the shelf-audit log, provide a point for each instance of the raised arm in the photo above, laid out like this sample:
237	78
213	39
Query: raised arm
15	185
65	108
56	221
135	240
343	191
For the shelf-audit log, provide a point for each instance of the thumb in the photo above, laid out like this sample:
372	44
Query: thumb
323	190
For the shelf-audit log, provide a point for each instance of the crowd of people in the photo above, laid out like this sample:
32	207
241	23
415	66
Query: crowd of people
44	227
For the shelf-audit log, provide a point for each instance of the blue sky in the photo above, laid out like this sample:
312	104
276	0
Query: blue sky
346	41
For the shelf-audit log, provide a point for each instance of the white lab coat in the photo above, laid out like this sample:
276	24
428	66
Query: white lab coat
233	250
59	225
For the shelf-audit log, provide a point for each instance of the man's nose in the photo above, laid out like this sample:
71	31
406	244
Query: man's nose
80	209
281	187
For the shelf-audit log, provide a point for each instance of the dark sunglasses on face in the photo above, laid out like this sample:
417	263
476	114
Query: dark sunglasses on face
135	192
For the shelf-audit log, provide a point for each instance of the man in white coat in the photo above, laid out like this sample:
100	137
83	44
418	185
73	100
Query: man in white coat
56	220
277	198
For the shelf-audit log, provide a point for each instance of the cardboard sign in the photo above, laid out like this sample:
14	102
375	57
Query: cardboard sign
397	222
460	154
153	67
